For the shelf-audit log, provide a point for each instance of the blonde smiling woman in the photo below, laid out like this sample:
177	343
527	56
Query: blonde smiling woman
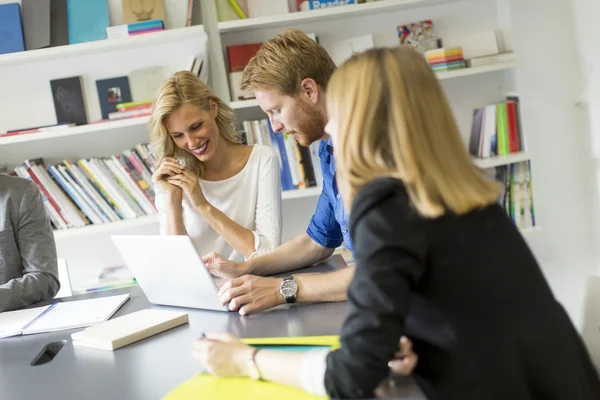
224	195
424	221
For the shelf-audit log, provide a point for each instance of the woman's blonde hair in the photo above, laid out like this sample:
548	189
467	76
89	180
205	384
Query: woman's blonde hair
181	88
394	120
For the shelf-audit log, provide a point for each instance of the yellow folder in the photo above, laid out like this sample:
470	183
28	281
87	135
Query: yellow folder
205	386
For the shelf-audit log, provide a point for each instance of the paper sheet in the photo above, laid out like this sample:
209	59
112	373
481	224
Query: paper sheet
77	314
210	387
11	322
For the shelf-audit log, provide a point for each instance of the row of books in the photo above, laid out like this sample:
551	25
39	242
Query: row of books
497	130
94	190
517	197
299	166
36	24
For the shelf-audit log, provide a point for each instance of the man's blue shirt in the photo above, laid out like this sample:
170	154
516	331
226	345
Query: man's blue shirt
329	225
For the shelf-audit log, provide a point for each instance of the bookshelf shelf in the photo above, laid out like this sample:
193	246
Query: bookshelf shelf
301	193
153	219
501	160
76	130
476	70
528	232
293	18
106	228
61	52
243	104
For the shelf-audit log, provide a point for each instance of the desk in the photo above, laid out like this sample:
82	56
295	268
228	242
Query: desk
151	368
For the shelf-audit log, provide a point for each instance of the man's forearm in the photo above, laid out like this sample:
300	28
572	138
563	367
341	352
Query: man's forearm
331	286
299	252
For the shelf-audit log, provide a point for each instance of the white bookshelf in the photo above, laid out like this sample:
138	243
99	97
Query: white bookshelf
105	127
528	232
98	46
501	160
328	14
459	73
109	227
243	104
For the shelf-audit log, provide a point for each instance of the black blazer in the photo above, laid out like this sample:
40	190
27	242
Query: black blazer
483	319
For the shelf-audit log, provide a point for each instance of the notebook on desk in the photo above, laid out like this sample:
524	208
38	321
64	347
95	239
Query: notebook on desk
59	316
127	329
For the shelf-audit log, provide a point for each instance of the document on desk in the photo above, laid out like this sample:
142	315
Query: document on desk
12	322
210	387
60	316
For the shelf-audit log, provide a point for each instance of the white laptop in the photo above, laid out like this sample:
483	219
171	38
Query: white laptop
170	271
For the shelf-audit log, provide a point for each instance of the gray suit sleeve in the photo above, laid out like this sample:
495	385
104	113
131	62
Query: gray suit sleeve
38	254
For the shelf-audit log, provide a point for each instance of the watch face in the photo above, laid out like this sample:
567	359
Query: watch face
289	288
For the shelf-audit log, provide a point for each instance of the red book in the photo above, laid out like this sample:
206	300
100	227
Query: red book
513	134
239	55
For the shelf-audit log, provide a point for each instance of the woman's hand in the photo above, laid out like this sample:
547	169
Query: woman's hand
190	185
223	355
222	267
405	359
167	168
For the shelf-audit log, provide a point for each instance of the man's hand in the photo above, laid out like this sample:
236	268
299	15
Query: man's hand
249	293
221	267
405	360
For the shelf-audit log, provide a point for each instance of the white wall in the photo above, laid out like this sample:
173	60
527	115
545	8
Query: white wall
549	83
587	28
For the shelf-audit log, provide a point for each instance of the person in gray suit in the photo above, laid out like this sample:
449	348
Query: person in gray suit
28	262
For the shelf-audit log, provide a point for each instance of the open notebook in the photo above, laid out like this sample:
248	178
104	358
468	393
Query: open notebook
59	316
205	386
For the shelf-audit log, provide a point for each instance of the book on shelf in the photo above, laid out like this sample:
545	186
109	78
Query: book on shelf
238	57
94	190
322	4
11	38
418	35
47	128
491	59
59	30
112	91
36	23
137	28
517	194
144	83
142	10
298	166
497	130
87	20
68	98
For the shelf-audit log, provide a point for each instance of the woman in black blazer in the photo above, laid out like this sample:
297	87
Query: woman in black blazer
430	237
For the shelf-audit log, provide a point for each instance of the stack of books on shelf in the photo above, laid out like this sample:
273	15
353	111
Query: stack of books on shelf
517	196
445	59
300	166
497	130
137	28
94	190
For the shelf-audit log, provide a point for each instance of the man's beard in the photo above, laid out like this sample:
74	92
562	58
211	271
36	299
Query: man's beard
311	125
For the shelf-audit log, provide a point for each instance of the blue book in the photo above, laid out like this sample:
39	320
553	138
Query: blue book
87	20
11	29
286	175
321	4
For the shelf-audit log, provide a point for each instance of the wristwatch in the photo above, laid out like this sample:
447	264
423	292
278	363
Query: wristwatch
289	289
253	370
